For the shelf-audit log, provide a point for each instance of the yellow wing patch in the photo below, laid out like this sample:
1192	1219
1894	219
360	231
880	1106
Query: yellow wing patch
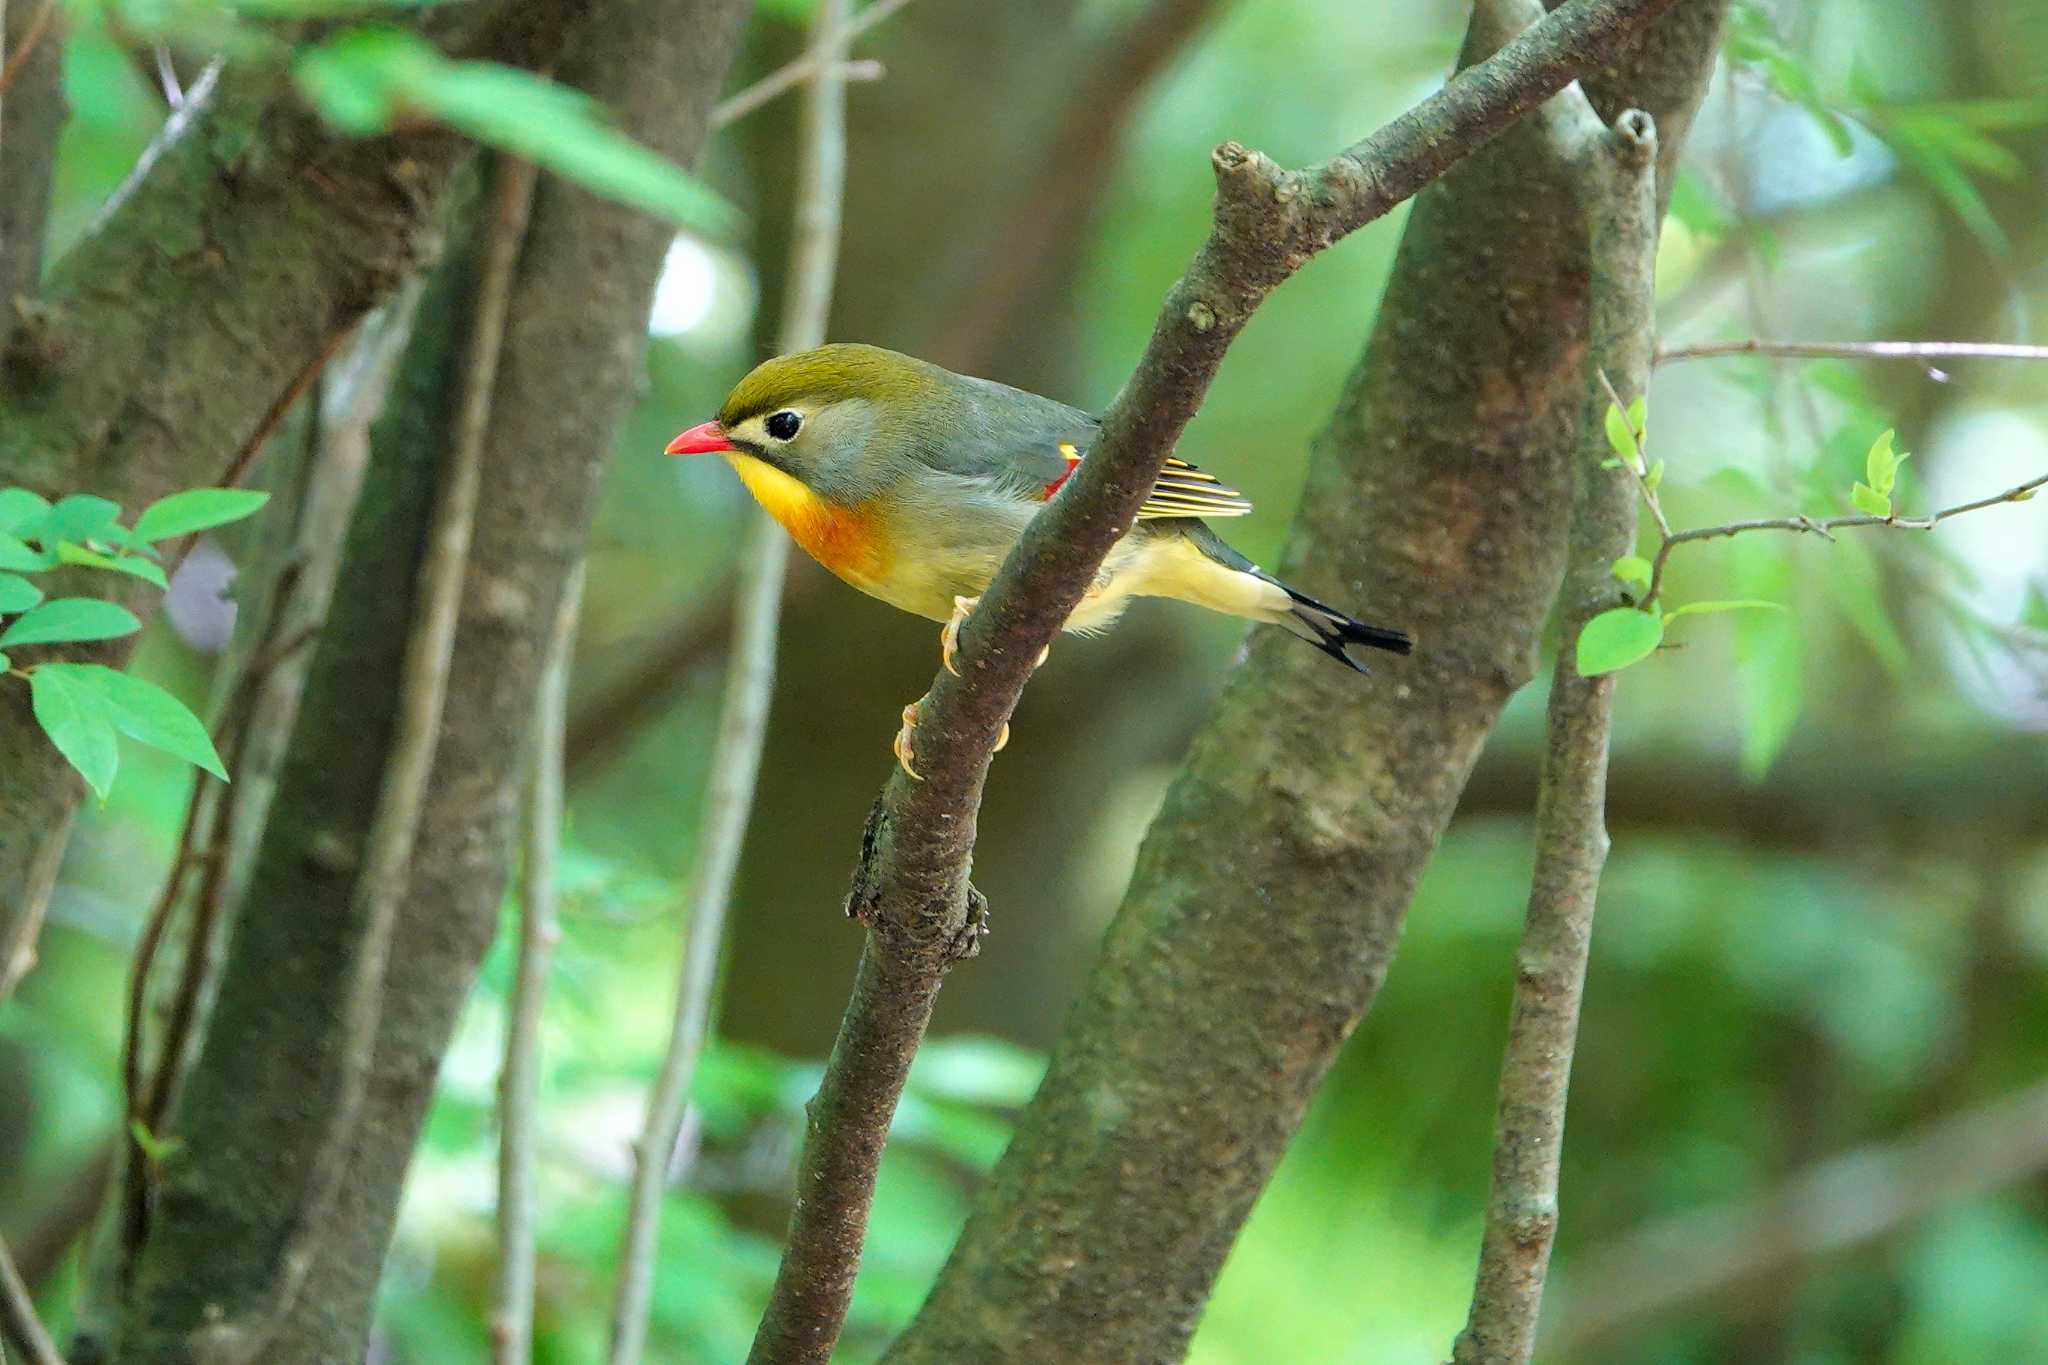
1180	491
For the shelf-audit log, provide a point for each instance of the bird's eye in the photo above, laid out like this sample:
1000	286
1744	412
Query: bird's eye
783	425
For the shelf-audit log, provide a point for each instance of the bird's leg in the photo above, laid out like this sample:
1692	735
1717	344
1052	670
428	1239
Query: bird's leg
949	638
901	748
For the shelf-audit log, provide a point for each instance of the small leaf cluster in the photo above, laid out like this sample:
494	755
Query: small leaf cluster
1620	636
1872	494
82	707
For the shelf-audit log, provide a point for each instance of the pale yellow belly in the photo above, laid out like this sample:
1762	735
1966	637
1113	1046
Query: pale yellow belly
1152	567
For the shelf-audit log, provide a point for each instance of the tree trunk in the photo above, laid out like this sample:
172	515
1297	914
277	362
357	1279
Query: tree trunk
254	1109
239	258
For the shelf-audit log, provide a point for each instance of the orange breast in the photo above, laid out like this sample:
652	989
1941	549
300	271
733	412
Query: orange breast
847	540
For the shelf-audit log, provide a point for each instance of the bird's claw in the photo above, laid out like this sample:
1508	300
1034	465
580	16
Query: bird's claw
901	747
949	638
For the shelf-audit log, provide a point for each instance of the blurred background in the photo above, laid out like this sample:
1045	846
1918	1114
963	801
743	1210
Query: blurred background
1809	1119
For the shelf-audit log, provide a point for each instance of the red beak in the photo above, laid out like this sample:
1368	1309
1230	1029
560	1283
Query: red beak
702	439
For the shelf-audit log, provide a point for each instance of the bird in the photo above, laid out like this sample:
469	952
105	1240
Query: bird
911	483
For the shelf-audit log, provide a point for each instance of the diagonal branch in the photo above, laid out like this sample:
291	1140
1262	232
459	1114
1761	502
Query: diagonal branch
18	1321
1571	832
805	68
911	888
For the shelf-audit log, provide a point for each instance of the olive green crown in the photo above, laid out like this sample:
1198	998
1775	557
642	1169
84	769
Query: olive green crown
832	374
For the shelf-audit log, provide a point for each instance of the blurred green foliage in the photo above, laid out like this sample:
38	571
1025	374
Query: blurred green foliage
1768	990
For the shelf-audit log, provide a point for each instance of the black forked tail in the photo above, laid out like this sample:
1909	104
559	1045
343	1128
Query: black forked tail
1331	630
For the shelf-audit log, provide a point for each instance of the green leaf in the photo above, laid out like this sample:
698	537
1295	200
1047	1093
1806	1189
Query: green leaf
5	663
70	618
1726	604
1868	500
1655	476
197	509
135	566
156	1149
21	511
82	517
74	715
145	712
20	556
1617	638
1881	464
1634	569
365	77
17	594
1619	436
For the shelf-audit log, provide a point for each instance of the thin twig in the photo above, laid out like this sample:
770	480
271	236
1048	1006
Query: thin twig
18	1316
1571	830
911	888
750	681
1855	350
1825	527
539	930
18	55
208	814
796	72
387	856
1828	1208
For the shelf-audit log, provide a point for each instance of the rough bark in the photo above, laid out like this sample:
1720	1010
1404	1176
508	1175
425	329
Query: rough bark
245	246
1617	167
223	1211
34	115
573	349
1269	894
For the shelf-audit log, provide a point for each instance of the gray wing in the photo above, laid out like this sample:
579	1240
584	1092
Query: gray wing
1045	440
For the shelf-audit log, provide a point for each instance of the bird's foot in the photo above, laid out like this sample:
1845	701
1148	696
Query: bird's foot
902	745
901	748
949	638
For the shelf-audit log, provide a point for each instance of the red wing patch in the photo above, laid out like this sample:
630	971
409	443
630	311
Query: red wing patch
1073	459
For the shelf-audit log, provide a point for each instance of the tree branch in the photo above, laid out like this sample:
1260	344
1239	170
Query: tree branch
539	930
792	74
1571	833
18	1316
1854	350
911	888
1055	200
1825	527
1839	1204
